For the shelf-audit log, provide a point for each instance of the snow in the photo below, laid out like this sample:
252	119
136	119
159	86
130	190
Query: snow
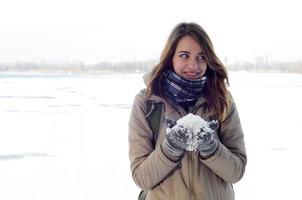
66	137
194	123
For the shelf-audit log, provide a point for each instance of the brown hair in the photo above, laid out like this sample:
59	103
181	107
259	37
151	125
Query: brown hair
216	87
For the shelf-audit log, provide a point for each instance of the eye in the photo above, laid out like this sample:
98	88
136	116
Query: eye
200	58
184	56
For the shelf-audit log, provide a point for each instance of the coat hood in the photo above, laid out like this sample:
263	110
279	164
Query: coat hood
147	78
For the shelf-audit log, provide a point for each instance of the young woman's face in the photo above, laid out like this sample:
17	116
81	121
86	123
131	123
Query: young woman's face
189	59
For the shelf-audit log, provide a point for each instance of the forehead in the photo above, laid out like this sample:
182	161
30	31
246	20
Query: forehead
187	43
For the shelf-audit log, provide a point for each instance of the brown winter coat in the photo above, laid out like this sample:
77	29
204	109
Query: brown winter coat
191	177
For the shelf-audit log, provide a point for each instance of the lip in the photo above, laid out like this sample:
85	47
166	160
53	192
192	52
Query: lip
192	75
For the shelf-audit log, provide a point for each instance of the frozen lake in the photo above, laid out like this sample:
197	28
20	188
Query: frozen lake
65	137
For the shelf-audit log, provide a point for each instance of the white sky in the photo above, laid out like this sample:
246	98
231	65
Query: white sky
117	30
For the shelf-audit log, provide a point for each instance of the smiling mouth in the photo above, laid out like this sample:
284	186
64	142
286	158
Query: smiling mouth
192	74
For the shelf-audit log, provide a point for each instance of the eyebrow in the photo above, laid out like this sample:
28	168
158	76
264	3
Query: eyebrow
188	52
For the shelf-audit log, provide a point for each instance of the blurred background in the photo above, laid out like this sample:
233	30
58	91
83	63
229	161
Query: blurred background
69	71
260	34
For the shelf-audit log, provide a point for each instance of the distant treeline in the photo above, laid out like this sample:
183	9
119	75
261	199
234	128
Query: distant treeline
274	66
140	66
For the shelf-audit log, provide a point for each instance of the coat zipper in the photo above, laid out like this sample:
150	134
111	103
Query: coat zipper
191	168
194	176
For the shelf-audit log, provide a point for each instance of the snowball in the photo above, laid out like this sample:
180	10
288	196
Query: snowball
194	123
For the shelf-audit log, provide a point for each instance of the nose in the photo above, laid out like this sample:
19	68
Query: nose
193	65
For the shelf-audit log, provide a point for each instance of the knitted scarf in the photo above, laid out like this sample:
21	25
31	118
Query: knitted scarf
182	91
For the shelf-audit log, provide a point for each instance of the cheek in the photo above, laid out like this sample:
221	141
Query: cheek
203	68
177	70
177	66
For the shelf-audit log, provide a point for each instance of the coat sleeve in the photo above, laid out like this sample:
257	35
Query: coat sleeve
149	165
230	158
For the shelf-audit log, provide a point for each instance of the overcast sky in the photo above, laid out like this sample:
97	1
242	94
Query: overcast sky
119	30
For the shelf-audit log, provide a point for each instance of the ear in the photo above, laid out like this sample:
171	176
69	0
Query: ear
170	122
213	124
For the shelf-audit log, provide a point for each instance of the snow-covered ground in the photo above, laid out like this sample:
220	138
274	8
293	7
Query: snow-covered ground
65	137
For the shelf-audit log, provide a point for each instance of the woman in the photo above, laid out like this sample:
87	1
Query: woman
188	79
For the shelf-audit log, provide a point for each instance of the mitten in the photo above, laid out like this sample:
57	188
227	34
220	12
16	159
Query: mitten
176	139
207	143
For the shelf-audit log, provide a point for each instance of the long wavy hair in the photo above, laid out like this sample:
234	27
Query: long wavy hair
215	91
